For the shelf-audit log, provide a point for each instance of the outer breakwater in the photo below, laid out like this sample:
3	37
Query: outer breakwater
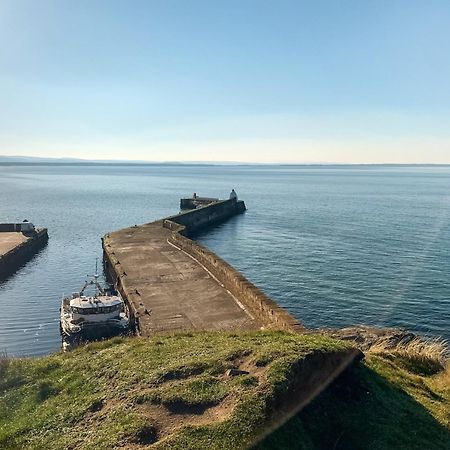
172	283
17	248
198	219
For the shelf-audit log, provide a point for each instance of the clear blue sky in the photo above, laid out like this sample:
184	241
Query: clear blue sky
278	81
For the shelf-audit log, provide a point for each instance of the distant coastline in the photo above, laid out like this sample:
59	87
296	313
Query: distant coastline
41	161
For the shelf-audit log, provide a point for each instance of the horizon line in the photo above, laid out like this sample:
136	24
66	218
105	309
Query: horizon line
16	159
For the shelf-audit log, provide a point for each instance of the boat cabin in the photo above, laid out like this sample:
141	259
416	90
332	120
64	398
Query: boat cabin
94	309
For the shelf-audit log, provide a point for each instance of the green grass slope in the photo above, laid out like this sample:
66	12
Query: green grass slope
392	401
170	392
173	392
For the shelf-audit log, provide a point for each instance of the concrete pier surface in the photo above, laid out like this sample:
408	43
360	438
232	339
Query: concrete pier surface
171	283
10	240
16	248
167	289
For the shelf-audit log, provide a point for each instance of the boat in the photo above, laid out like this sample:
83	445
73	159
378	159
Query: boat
92	317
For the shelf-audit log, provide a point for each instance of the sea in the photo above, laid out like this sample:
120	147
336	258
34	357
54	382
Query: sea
334	245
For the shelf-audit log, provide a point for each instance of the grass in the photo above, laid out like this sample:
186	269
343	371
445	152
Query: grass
168	392
421	356
399	398
172	392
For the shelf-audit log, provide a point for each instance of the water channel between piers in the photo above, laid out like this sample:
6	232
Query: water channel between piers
171	283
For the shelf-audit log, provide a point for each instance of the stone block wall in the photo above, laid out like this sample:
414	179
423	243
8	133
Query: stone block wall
11	261
200	218
254	300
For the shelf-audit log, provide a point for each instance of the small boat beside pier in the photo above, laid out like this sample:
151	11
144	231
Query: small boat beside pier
92	317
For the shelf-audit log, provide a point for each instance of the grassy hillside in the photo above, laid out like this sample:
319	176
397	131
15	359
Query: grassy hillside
174	392
397	399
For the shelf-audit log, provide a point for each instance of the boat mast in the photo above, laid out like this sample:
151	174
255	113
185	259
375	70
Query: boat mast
97	285
99	289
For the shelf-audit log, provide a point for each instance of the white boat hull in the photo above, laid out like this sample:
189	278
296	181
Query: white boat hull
77	327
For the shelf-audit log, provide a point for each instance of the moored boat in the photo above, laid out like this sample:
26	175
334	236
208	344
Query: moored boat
92	317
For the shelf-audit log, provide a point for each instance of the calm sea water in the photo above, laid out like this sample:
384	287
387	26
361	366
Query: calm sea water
336	246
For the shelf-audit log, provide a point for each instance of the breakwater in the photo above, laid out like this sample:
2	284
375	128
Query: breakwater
17	248
211	214
172	283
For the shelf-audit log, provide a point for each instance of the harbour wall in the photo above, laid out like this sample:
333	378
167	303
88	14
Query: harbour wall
114	274
194	202
20	254
254	300
20	227
180	228
198	219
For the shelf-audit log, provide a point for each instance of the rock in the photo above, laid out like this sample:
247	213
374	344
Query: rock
235	372
367	337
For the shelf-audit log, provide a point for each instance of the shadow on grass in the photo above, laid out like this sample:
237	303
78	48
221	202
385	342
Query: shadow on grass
361	410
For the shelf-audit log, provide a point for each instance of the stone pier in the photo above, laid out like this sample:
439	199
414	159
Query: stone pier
171	283
16	248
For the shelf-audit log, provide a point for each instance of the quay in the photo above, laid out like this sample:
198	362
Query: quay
171	283
19	242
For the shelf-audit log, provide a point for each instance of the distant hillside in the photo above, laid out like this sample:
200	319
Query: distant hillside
41	160
36	159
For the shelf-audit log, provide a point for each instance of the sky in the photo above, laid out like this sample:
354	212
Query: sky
338	81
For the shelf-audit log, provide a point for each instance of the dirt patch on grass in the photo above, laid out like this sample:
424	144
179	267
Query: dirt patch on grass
182	373
167	419
244	360
147	435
